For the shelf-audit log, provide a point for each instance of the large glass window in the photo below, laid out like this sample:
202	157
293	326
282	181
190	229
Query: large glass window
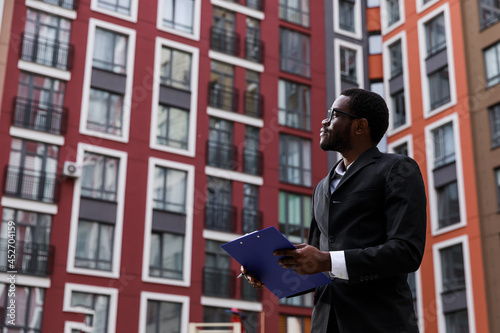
110	51
94	245
392	11
223	37
253	47
31	227
173	127
492	64
218	278
46	39
105	112
295	52
435	32
98	303
497	182
178	15
398	109
448	204
452	266
439	87
118	6
348	64
252	162
444	145
221	151
396	58
295	11
167	255
170	189
163	317
219	213
495	125
222	93
346	15
251	214
489	12
175	68
294	105
254	103
295	160
29	302
100	177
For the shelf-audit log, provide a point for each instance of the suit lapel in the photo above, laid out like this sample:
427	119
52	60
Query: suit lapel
326	181
367	158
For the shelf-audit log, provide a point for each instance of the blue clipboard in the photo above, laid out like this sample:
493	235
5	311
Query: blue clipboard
254	251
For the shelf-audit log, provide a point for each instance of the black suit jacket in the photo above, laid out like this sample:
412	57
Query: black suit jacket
377	216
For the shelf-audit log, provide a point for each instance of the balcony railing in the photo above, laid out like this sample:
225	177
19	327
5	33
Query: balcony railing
225	41
30	258
252	161
31	185
221	155
39	116
252	220
254	104
220	217
218	282
254	50
68	4
222	97
47	52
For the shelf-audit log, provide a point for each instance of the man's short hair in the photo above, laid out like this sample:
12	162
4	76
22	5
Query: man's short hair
371	106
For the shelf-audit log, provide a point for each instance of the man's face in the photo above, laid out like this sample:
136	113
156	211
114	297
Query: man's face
336	134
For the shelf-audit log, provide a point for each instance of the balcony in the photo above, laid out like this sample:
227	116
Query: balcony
32	185
218	282
67	4
225	41
220	217
31	258
254	50
221	155
252	220
252	162
39	116
254	104
47	52
222	97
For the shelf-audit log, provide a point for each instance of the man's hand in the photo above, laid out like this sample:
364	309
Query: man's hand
305	259
251	279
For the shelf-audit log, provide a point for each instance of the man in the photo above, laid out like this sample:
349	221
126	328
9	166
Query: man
368	225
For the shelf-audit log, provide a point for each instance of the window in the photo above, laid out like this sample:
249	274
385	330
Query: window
439	87
218	279
173	127
497	180
110	51
105	112
295	11
252	160
494	112
295	160
222	93
163	316
489	12
118	6
435	33
398	109
31	227
29	303
253	46
167	255
46	40
448	205
375	44
32	171
346	15
401	149
294	105
170	190
221	151
175	68
254	103
223	37
94	245
68	4
396	59
100	304
251	215
178	15
348	64
492	64
100	177
393	12
39	104
220	215
294	52
444	145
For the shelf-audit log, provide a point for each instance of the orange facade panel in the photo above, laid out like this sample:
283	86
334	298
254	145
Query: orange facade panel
375	67
373	19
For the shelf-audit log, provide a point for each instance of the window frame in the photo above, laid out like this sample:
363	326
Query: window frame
300	12
496	79
148	226
422	5
304	61
195	35
118	225
151	296
358	33
129	73
360	69
304	173
132	16
191	144
384	14
304	116
494	118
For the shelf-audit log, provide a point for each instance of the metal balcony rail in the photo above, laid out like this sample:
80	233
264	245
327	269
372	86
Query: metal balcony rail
68	4
30	258
220	217
39	116
254	104
254	50
225	41
218	282
31	185
253	162
46	52
222	97
252	220
222	155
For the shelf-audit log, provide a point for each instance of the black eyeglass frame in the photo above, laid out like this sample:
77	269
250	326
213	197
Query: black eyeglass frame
329	115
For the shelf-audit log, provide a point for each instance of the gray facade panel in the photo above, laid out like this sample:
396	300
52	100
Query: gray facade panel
97	210
169	222
445	175
396	84
175	97
108	81
437	61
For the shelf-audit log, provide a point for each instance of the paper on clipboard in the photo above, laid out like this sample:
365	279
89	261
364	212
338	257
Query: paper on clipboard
254	251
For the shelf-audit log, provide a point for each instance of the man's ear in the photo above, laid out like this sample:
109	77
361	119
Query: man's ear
361	126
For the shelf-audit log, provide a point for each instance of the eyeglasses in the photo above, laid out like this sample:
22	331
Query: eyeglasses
334	113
